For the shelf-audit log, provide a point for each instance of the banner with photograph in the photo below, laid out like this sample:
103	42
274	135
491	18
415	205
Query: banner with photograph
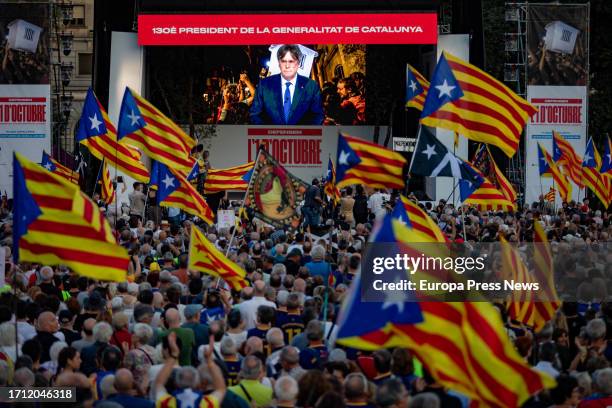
557	78
25	91
557	44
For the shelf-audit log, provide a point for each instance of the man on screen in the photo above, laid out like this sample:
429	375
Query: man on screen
287	98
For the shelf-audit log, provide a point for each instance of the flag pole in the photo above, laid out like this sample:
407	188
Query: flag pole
542	193
246	193
456	140
555	202
414	152
463	222
144	211
452	192
97	178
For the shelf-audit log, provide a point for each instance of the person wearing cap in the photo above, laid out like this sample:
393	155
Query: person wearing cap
192	321
293	261
93	305
168	261
66	320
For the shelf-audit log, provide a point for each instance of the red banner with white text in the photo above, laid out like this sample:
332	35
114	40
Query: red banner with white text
253	29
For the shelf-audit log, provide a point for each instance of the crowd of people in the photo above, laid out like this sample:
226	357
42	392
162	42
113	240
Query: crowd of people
173	337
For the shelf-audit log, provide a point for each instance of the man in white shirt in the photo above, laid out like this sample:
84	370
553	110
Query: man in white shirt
548	355
248	309
376	203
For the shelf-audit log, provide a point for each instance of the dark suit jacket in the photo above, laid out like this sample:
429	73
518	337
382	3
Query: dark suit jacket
306	107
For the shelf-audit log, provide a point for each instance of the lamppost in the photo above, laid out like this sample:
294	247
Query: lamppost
66	40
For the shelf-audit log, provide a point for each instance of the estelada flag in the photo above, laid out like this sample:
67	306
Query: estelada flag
275	193
416	88
56	167
362	162
99	135
143	125
55	223
469	101
463	344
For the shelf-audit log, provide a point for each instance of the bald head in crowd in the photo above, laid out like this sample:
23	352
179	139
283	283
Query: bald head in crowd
173	318
259	288
47	322
89	324
124	381
299	285
253	345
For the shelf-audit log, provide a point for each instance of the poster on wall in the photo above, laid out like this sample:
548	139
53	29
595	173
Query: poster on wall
557	77
303	151
25	91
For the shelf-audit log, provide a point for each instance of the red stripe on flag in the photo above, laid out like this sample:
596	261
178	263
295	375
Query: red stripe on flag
156	151
472	125
75	255
492	83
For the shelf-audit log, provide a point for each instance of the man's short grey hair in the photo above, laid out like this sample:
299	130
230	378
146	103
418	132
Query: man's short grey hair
290	355
102	332
143	332
24	377
318	253
425	400
603	380
228	347
250	368
390	393
144	286
596	329
187	377
117	304
275	337
279	269
293	49
281	297
133	288
107	386
286	388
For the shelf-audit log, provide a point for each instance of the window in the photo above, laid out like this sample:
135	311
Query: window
85	63
78	15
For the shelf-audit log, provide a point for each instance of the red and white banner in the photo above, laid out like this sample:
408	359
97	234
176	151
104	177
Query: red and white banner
252	29
25	126
564	110
303	151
